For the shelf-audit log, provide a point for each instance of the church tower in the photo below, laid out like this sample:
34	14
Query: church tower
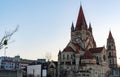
81	34
111	51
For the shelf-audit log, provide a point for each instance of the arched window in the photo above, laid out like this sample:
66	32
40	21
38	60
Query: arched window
67	57
97	59
110	54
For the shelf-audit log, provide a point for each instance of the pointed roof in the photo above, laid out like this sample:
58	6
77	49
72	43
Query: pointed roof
68	49
110	35
87	55
96	50
80	20
53	64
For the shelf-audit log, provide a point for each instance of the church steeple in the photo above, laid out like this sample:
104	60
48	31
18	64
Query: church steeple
81	22
110	35
110	42
111	51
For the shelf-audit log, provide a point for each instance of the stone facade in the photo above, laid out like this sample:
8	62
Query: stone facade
81	57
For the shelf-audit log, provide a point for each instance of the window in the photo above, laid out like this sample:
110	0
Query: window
109	47
67	57
110	54
97	59
83	74
62	63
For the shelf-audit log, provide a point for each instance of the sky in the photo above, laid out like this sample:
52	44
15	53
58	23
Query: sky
44	25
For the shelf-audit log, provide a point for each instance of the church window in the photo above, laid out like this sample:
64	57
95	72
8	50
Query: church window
112	44
67	57
109	47
97	59
110	54
73	62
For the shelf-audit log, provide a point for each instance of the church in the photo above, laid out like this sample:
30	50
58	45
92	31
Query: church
81	57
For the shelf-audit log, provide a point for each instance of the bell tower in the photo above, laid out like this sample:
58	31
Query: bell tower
111	51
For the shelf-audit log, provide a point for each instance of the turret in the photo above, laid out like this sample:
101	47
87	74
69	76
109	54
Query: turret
111	51
110	42
72	27
90	28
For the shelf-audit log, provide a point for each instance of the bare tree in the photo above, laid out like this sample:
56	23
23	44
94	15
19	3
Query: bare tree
4	40
48	56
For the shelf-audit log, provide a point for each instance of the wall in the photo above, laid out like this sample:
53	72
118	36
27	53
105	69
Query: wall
8	73
34	70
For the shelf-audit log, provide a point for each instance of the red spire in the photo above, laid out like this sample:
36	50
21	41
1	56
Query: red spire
110	35
81	20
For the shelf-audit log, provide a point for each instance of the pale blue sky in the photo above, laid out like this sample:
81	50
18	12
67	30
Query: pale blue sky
44	25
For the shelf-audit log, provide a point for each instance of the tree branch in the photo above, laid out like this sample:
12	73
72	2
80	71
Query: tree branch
6	37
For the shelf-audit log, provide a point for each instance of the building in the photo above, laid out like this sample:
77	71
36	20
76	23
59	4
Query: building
13	66
52	69
14	63
82	58
34	70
